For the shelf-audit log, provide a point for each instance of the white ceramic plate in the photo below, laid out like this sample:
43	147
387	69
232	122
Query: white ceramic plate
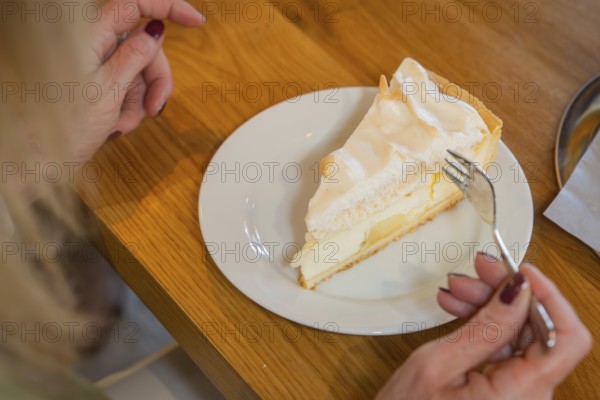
254	198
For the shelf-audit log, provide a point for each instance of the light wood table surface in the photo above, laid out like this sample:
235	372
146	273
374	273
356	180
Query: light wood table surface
525	64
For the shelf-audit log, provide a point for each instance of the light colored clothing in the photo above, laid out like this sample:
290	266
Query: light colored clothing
24	382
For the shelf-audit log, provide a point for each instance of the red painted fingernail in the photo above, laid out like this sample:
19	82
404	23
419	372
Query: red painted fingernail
443	289
114	135
488	256
513	288
160	110
155	28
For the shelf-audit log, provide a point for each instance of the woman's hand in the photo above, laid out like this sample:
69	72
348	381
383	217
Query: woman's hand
446	368
132	72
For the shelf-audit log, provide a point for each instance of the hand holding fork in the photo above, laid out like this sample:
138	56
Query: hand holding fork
479	190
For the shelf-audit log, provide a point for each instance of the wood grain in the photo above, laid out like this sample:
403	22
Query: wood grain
146	201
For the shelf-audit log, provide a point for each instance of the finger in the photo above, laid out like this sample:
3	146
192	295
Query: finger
132	112
470	290
526	338
545	369
120	16
466	294
547	293
475	386
135	54
503	379
486	333
159	82
504	353
454	306
521	340
490	269
573	340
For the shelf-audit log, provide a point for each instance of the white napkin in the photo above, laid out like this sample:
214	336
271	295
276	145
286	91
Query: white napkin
576	209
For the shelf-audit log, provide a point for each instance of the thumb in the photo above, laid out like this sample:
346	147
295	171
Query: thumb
135	53
493	327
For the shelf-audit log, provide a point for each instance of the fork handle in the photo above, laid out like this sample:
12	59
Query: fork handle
537	313
543	324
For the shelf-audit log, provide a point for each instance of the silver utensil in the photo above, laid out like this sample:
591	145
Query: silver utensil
479	190
579	125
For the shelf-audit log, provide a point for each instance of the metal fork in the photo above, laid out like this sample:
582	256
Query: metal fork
477	187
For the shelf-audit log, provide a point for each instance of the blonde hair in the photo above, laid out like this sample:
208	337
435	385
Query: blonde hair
38	55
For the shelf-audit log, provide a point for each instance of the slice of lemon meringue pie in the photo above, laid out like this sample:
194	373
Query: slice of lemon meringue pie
385	181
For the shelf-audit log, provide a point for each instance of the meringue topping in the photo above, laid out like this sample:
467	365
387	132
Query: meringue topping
403	136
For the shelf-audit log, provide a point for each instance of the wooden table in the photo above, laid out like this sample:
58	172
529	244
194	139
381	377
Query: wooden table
525	64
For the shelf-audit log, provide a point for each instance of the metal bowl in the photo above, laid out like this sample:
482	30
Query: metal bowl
577	129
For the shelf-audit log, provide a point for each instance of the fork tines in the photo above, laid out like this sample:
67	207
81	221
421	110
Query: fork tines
464	167
455	171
